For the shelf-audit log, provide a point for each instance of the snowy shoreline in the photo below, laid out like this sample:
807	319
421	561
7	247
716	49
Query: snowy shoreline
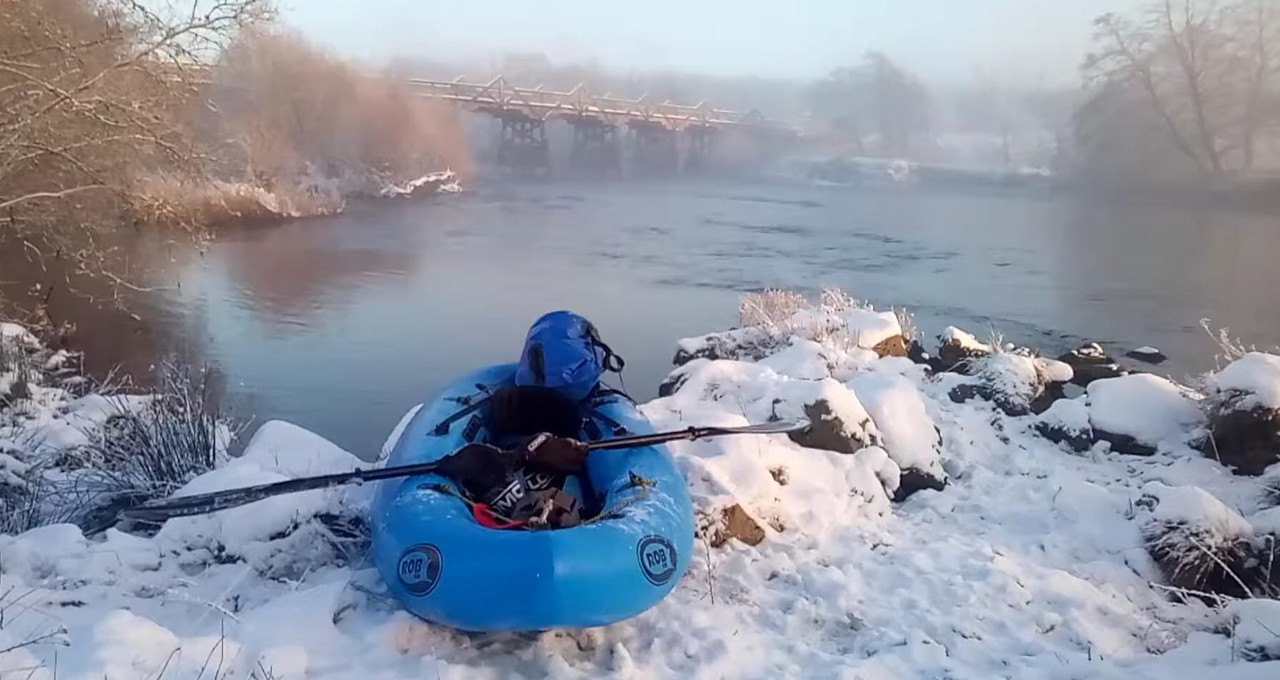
953	514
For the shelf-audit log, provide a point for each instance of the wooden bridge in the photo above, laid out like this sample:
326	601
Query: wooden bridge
666	136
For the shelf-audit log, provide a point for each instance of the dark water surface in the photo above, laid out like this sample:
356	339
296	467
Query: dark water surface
342	324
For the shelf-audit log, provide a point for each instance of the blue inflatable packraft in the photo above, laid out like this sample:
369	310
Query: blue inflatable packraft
447	568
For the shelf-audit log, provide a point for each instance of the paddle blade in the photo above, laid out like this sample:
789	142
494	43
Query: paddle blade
776	427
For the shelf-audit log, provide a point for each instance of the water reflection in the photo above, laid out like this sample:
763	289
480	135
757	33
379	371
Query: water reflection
342	324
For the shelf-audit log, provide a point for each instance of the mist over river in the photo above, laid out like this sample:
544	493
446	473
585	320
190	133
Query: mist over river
342	324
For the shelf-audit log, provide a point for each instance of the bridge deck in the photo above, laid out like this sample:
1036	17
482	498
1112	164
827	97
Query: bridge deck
500	98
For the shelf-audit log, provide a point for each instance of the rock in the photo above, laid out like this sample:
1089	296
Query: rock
1089	363
1067	422
1123	443
672	384
1137	412
1052	393
838	421
917	353
1149	355
1244	414
910	437
1247	441
733	522
914	480
748	344
957	349
895	346
780	475
1018	383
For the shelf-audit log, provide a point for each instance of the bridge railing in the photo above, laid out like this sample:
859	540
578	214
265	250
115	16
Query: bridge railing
500	96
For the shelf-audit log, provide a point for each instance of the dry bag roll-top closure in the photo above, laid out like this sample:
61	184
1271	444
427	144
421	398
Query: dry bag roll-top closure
563	360
564	352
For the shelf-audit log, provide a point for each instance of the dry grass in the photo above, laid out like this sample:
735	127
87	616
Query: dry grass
771	309
172	201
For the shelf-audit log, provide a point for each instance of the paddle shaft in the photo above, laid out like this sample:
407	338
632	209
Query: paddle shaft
221	500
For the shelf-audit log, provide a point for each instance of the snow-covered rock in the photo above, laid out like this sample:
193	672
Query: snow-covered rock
1146	354
1244	413
957	348
1136	413
910	436
1067	422
1090	362
1018	383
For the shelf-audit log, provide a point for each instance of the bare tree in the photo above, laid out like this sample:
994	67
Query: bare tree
92	96
1204	69
877	97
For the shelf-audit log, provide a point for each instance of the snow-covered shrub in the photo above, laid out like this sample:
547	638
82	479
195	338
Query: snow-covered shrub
149	449
771	309
1017	382
770	319
1198	542
1243	406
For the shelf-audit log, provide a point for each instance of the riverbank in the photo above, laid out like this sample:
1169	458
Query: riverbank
946	534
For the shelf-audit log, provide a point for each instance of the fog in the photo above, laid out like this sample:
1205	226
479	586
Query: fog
1028	41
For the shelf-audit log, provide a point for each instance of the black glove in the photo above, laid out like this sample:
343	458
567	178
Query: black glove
559	455
478	468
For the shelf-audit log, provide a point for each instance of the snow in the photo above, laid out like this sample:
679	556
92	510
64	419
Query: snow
16	334
1146	349
1195	506
1257	626
1071	415
1052	370
954	336
1256	375
1030	564
278	451
1266	521
1148	408
870	328
900	413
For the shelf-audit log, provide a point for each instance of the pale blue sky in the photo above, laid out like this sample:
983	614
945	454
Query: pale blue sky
944	40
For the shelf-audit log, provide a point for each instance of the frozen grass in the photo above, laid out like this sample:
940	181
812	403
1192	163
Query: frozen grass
139	454
171	201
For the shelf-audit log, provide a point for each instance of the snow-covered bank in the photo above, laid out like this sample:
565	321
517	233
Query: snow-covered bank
1005	555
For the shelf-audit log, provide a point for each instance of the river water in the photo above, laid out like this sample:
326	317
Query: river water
342	324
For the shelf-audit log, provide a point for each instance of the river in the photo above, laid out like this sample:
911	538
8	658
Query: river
341	324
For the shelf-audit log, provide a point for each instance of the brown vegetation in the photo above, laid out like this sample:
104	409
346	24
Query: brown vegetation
118	112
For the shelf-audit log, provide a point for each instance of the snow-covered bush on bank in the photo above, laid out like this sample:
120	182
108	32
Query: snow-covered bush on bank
769	319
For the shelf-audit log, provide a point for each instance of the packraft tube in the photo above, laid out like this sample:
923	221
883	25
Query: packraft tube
447	568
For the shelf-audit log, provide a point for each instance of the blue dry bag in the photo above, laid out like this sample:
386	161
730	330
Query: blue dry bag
563	351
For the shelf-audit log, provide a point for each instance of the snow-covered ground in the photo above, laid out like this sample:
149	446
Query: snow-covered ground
1030	563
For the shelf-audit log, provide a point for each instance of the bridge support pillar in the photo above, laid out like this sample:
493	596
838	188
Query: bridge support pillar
522	144
700	141
595	146
654	149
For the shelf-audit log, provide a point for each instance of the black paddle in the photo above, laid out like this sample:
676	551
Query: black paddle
185	506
